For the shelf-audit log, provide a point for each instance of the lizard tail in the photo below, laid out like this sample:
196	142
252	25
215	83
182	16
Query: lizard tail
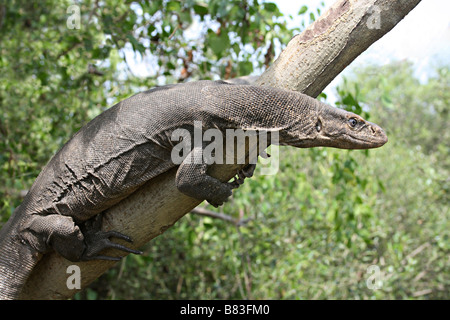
17	260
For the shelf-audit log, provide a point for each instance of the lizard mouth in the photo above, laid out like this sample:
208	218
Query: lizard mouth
369	137
366	142
372	136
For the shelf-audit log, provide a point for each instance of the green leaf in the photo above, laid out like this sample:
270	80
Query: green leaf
152	7
271	7
303	9
137	46
245	68
201	9
387	101
170	66
173	6
322	96
185	16
351	104
381	185
101	53
43	76
88	44
218	43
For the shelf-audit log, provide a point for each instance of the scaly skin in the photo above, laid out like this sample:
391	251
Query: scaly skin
129	144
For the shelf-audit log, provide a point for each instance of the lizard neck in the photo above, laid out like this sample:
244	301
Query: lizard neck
259	108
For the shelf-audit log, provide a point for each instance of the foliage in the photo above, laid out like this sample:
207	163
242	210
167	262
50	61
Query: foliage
315	226
54	78
425	123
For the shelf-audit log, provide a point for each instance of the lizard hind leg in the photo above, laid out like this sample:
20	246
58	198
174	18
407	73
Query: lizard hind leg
73	242
54	231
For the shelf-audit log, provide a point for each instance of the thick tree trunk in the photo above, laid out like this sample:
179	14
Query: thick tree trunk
316	56
308	64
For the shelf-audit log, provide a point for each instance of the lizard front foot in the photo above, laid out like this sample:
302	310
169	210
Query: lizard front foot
246	172
224	190
221	194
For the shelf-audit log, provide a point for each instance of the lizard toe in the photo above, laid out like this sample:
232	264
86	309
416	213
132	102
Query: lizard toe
100	240
248	170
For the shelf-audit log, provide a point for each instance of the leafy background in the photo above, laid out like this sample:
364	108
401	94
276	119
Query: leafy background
313	229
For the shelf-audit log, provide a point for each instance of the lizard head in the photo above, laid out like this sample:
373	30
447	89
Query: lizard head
345	130
332	127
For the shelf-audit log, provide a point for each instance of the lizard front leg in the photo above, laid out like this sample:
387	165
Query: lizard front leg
192	180
74	243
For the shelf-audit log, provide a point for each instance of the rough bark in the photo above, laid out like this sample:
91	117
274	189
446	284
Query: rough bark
308	64
313	58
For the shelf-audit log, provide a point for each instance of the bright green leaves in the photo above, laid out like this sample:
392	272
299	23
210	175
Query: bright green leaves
218	43
101	53
173	6
245	68
349	101
302	10
201	9
270	7
351	210
244	37
203	39
151	6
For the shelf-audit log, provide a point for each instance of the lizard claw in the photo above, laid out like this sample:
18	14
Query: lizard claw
237	181
248	170
97	241
245	172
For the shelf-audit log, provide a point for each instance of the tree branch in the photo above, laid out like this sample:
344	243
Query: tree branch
217	215
310	61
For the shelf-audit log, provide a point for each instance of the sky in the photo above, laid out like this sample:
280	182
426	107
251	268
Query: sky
422	37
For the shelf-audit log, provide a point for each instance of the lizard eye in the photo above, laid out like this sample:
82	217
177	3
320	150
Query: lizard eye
318	125
352	122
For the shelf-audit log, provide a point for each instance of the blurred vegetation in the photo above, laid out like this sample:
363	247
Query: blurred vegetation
314	228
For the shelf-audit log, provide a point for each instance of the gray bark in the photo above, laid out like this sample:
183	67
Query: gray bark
308	64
